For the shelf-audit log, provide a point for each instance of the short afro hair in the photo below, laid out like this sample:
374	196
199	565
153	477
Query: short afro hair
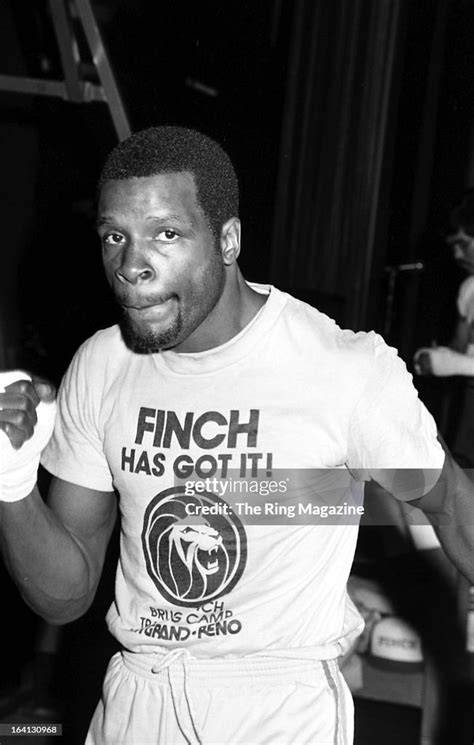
462	215
171	149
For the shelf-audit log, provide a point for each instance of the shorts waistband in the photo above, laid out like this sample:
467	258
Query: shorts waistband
219	670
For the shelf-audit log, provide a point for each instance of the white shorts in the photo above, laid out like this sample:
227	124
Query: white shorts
178	700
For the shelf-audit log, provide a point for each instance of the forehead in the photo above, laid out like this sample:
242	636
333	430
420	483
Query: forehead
162	192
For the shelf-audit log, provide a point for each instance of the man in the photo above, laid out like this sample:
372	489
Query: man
231	626
458	358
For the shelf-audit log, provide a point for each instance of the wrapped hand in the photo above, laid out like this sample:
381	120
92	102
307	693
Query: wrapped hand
443	362
27	412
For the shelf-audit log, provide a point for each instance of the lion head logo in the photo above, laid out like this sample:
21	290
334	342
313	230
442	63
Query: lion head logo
192	559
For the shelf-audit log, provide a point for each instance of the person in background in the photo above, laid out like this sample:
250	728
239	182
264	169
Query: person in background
458	357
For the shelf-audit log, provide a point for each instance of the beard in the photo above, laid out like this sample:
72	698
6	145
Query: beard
147	341
191	313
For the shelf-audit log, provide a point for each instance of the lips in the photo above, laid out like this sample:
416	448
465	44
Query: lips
148	304
151	314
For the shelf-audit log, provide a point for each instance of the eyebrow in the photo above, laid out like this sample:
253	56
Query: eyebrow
103	221
106	220
169	216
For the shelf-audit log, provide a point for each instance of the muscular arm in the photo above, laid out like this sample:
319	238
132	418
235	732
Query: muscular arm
392	428
449	506
55	552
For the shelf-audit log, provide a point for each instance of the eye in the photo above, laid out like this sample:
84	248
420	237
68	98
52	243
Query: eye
112	239
168	235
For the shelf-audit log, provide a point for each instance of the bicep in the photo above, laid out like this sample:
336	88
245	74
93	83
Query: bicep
407	484
89	516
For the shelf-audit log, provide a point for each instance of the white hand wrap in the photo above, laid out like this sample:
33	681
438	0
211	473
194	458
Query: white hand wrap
445	362
19	468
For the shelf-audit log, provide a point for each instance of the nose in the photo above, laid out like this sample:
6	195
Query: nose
134	266
457	251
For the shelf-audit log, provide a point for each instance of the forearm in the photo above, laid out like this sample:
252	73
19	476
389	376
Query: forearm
458	543
46	562
449	507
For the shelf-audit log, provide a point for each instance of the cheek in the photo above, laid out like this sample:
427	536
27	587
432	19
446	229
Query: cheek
108	270
209	280
107	258
201	276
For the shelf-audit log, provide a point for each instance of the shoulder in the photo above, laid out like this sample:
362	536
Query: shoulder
103	346
356	350
99	355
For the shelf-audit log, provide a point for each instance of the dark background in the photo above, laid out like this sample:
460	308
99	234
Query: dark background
350	126
229	69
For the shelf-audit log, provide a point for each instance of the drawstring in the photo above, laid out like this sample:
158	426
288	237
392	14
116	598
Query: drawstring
166	660
179	688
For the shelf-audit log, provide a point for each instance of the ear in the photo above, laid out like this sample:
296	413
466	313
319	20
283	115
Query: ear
230	241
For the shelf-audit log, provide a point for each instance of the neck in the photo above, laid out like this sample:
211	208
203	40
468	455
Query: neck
236	307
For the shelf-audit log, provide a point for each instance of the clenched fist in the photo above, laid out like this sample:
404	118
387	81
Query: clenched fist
27	412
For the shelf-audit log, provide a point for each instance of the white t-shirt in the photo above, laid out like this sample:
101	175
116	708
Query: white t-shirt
291	392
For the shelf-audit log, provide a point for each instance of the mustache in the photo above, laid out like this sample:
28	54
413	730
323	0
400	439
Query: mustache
127	301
